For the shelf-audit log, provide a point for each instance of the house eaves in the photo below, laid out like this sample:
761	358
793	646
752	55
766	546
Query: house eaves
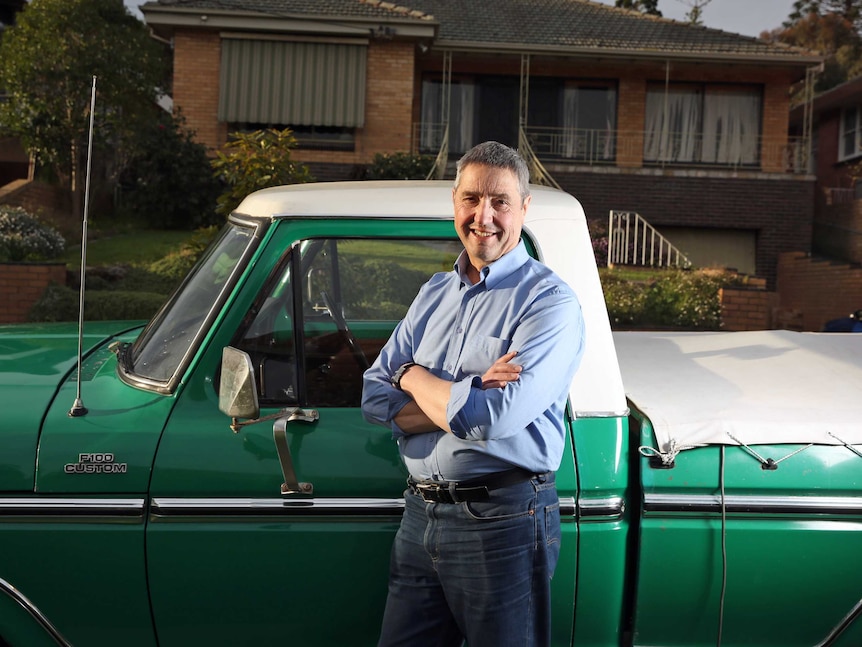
631	53
274	17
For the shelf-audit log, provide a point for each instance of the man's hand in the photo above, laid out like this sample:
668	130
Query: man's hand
501	372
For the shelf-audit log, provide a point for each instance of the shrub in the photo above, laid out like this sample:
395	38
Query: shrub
169	182
60	303
685	299
177	264
625	300
257	160
675	299
24	238
399	166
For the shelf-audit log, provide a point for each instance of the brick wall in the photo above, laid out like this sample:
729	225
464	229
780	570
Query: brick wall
748	307
817	290
778	208
838	230
22	284
197	58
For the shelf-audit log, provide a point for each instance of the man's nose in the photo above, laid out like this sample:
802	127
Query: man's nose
485	212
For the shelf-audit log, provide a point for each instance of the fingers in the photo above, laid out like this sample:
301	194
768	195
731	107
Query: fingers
501	372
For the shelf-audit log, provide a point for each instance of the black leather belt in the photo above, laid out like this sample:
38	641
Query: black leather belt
477	489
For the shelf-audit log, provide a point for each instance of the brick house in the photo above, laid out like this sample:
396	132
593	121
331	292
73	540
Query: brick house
836	160
687	126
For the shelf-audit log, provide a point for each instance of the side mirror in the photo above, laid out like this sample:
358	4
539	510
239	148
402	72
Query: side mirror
237	391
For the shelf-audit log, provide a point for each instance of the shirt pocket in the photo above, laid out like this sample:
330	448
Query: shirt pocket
480	351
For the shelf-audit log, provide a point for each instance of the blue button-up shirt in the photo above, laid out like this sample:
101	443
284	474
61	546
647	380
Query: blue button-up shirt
457	331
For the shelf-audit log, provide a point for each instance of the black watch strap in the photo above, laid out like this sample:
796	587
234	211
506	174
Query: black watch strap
395	380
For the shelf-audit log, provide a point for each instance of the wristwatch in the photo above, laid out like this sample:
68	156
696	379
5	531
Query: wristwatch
395	380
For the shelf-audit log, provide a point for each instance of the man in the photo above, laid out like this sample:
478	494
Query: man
473	383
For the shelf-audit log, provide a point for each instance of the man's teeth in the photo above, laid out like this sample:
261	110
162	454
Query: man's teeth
483	234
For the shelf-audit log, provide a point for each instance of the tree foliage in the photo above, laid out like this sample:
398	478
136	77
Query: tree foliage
256	160
47	63
168	181
644	6
828	27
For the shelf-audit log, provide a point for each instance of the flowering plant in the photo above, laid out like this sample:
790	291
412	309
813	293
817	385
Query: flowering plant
23	238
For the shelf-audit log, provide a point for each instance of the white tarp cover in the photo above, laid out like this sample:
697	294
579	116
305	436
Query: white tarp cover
763	387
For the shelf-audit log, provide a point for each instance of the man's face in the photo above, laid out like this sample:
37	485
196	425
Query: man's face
489	213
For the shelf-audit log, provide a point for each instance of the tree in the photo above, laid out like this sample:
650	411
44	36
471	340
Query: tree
832	34
47	62
695	13
850	10
644	6
168	179
257	160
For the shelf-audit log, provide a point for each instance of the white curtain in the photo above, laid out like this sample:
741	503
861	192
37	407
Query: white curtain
570	122
731	127
431	130
588	122
461	116
672	125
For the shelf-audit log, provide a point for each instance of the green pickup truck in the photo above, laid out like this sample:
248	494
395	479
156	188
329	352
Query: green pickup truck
208	478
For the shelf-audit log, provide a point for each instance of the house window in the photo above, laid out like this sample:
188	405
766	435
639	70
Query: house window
316	88
462	109
702	124
589	121
851	133
566	119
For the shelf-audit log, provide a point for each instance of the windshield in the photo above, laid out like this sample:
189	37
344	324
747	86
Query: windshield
169	338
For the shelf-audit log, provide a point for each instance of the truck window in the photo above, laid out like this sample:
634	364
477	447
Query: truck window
170	338
351	295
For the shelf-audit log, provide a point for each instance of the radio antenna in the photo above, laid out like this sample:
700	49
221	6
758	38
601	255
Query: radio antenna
78	409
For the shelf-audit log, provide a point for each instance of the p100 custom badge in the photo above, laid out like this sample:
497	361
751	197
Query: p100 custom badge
95	463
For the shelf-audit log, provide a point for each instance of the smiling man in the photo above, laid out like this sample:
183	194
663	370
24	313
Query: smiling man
473	384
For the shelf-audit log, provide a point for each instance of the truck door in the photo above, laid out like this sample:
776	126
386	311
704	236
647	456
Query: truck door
230	559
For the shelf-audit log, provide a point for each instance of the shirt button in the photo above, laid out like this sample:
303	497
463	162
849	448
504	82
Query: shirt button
459	331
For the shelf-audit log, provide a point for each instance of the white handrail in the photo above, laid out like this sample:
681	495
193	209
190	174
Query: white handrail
633	241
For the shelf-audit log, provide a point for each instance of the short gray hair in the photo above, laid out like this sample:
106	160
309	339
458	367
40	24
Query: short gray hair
497	155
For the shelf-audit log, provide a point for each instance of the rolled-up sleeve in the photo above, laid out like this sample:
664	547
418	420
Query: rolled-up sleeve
380	400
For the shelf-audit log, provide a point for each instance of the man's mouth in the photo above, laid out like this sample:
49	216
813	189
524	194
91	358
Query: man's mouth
484	234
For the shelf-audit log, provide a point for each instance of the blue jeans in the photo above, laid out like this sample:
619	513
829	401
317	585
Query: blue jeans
479	571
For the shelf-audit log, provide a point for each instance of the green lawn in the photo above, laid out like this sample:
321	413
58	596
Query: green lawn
139	248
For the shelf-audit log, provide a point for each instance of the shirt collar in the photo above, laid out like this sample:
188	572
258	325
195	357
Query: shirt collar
492	274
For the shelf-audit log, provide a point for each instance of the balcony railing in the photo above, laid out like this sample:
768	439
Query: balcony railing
632	148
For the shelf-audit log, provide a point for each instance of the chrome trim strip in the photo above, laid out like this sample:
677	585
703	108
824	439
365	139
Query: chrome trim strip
67	507
602	414
568	507
854	614
738	503
607	508
165	507
34	611
244	507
